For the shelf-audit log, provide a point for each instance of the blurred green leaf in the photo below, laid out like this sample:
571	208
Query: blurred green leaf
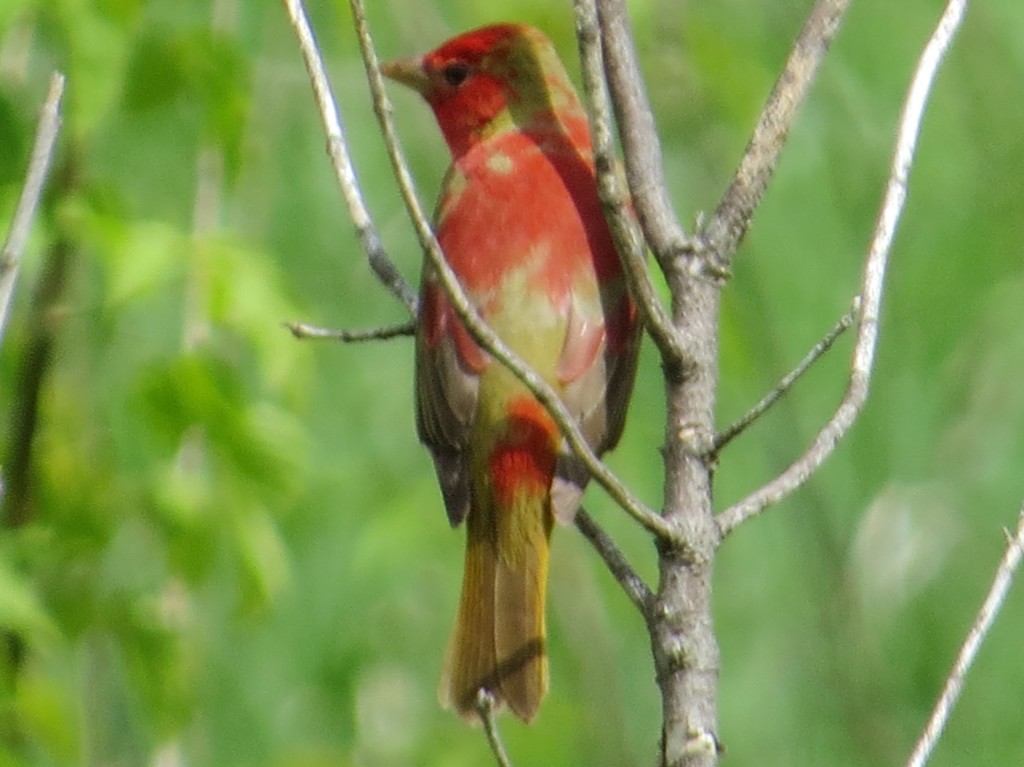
203	71
13	142
21	610
263	555
50	715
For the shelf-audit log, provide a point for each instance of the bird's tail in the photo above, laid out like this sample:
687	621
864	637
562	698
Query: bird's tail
499	641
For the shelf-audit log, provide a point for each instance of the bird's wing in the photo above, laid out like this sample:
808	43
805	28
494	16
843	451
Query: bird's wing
448	366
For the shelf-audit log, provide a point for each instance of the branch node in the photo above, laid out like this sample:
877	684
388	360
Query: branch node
702	743
696	440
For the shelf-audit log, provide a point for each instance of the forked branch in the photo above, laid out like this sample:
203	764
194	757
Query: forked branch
724	437
614	197
872	283
641	146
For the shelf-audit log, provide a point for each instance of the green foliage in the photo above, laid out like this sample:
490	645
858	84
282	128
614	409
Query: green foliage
235	551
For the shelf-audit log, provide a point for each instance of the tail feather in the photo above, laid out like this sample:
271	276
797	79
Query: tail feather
519	630
499	642
470	661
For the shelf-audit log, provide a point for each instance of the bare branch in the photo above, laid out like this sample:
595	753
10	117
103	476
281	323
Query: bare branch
968	651
17	236
726	228
485	708
639	593
784	385
341	159
303	331
617	210
641	145
871	286
479	330
382	108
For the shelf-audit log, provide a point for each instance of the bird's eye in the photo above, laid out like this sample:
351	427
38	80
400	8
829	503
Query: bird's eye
455	74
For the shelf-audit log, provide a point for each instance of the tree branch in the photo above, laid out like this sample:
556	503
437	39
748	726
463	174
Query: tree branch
303	331
481	333
683	645
972	643
485	709
871	286
617	210
641	146
725	230
341	160
784	385
636	589
39	163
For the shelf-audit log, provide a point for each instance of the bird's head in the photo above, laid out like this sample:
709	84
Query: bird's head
501	77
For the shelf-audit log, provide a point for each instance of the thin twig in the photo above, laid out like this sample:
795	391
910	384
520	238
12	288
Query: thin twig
341	159
786	383
302	330
485	708
382	109
17	236
726	227
968	651
636	589
43	323
871	286
617	210
479	330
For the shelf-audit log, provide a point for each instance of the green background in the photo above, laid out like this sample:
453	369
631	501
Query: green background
235	551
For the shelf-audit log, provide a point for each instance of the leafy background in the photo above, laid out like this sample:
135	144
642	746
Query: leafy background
232	549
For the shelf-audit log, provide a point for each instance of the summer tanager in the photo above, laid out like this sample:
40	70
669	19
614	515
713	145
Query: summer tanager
520	223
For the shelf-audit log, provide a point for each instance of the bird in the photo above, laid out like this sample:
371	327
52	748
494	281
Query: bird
520	222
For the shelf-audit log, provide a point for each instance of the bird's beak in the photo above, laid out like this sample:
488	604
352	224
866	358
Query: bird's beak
407	71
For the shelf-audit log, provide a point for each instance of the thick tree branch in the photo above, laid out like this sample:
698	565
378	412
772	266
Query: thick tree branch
39	163
871	286
969	650
617	210
683	644
724	231
477	328
341	159
784	385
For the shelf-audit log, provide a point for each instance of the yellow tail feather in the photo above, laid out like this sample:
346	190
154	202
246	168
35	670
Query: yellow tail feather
499	641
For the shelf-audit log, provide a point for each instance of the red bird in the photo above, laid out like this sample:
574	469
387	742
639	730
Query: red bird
520	222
